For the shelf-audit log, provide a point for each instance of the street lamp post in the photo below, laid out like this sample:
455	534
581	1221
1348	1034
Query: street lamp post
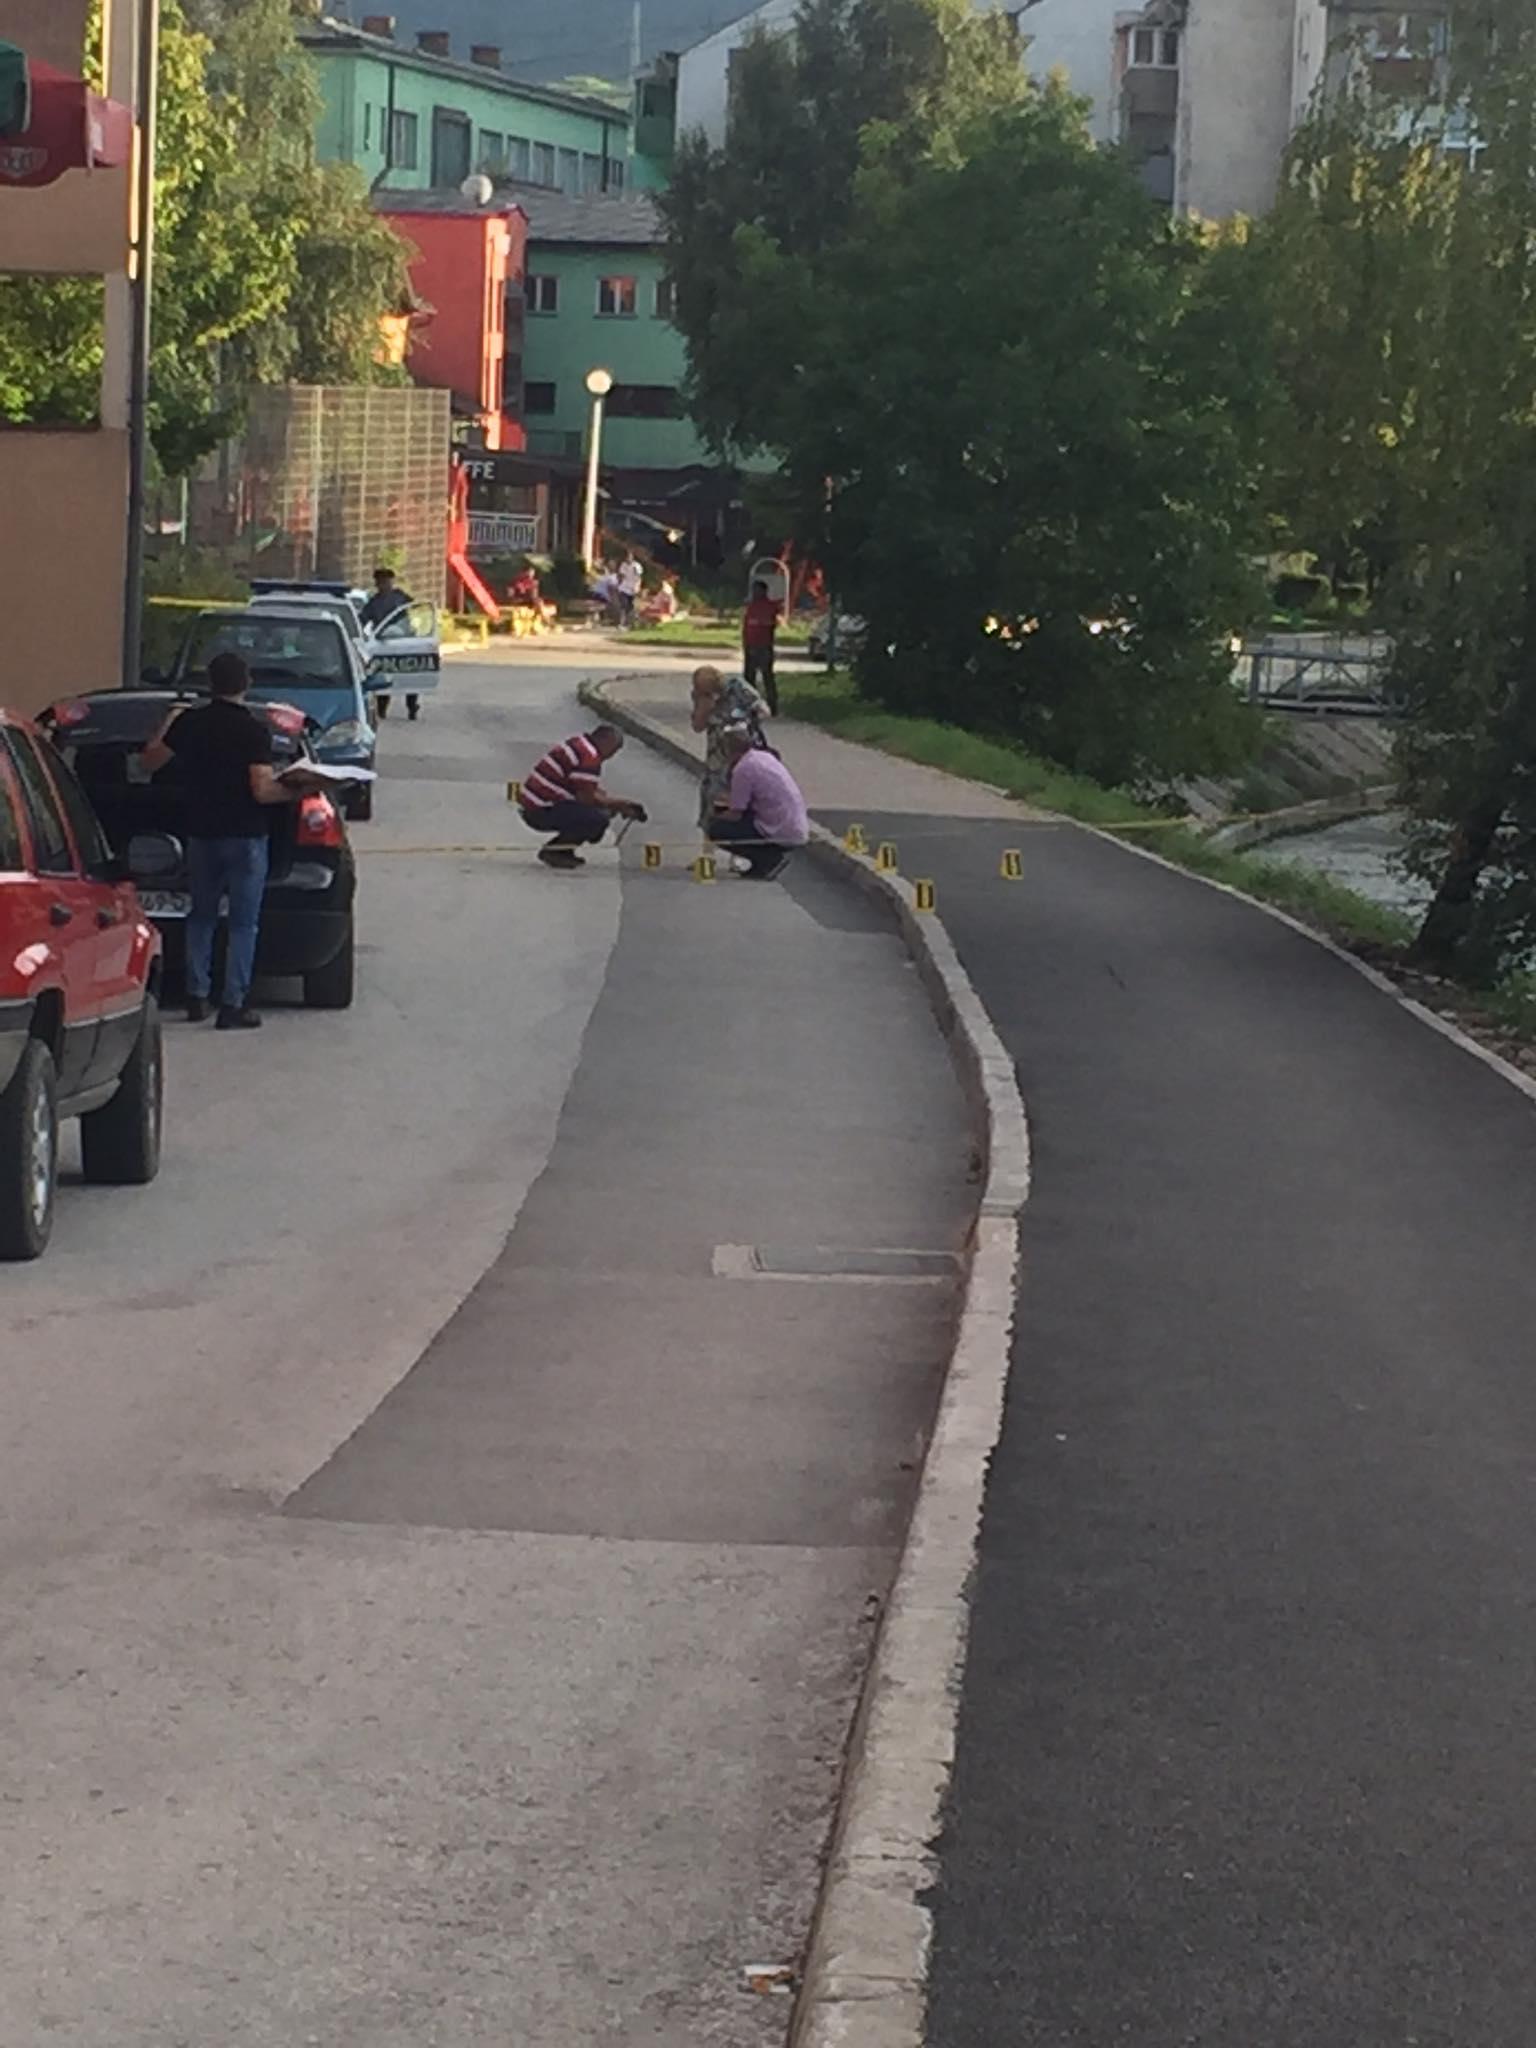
599	383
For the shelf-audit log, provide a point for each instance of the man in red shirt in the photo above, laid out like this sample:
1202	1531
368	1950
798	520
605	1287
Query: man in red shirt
759	624
564	796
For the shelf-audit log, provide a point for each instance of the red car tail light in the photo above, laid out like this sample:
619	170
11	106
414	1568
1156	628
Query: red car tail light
319	823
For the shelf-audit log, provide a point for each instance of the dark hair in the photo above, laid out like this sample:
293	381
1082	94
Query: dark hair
383	571
228	674
759	585
606	735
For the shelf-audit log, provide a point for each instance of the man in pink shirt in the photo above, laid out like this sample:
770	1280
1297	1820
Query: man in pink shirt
765	813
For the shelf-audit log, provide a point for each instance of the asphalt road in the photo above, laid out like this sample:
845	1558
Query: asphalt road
1248	1719
434	1599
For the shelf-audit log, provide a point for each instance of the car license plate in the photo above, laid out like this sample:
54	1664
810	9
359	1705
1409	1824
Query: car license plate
165	902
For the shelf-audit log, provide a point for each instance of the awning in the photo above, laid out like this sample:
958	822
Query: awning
71	129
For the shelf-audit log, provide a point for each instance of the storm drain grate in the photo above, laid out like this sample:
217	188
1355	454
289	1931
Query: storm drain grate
833	1262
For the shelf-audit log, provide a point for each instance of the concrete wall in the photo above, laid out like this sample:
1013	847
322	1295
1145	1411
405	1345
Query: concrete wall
559	349
1077	37
64	495
357	88
703	73
1236	104
63	561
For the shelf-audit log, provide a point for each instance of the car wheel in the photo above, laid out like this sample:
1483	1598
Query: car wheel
331	987
29	1154
120	1142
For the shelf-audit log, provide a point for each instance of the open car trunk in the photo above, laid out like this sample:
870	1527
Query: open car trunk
100	737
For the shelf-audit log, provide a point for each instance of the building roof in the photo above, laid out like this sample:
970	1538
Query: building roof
606	219
603	220
327	34
551	39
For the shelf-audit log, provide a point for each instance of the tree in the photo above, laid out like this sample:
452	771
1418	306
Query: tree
1032	395
270	265
743	220
1428	376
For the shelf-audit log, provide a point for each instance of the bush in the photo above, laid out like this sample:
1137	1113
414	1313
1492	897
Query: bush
1301	593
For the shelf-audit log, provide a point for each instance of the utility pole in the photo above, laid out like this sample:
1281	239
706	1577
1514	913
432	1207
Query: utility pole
636	41
143	282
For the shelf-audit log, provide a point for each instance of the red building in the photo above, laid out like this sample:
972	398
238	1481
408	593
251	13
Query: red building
466	256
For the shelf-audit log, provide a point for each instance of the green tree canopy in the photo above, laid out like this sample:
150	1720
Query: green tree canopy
1401	266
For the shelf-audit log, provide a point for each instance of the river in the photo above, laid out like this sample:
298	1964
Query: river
1365	855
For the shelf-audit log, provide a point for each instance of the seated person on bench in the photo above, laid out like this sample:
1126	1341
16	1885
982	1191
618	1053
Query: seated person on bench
564	796
764	815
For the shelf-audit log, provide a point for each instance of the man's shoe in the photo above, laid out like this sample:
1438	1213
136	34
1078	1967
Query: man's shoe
238	1020
562	857
197	1009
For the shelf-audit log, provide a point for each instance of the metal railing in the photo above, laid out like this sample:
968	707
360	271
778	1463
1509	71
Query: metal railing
1310	672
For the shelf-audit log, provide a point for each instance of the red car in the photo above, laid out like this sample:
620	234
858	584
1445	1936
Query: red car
79	994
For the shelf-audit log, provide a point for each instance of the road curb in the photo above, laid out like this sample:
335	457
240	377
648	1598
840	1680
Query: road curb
866	1969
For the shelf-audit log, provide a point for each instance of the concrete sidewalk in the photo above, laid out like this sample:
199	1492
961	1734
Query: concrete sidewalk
1245	1736
518	1717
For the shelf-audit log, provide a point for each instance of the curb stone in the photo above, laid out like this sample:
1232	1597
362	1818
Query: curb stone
866	1969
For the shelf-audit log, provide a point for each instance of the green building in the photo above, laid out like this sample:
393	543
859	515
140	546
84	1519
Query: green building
419	118
596	296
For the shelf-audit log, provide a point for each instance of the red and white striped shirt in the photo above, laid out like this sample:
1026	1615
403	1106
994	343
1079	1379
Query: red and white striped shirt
568	774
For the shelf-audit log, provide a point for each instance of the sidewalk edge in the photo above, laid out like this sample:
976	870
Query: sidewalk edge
866	1969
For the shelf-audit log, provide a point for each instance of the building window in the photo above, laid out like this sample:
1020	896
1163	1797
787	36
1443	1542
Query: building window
1155	49
665	304
542	294
538	399
616	298
491	156
543	163
570	170
591	174
517	156
404	141
615	175
645	402
368	126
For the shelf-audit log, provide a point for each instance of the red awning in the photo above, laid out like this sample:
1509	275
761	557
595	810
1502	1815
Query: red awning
72	129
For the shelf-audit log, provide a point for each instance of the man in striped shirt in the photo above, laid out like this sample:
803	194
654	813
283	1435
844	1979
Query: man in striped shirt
564	796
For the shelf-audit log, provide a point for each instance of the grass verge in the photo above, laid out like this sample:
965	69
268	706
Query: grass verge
706	633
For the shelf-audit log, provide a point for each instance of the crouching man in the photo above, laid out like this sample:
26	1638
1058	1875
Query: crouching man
764	816
564	796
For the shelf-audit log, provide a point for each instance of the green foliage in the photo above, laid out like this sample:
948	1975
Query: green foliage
745	221
270	267
1404	292
1013	405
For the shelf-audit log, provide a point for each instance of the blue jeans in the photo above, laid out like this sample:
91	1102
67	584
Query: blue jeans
220	868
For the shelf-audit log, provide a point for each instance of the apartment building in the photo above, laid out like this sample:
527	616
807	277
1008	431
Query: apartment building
1207	94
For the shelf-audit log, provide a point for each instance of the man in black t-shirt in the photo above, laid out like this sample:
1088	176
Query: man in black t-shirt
387	600
225	753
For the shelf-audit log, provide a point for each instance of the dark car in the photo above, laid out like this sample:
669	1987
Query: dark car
306	916
80	972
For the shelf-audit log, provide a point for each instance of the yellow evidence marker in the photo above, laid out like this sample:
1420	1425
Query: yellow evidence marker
924	895
1012	869
652	855
885	856
704	868
514	792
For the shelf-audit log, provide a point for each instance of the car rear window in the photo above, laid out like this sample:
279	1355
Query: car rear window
298	653
10	829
